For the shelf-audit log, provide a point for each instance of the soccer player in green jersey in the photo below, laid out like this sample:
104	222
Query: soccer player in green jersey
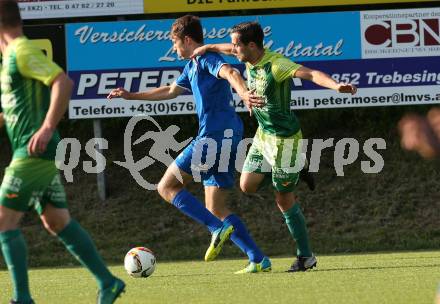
269	75
34	95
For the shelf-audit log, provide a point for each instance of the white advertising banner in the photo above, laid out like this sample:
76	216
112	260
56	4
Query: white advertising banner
400	33
43	9
301	100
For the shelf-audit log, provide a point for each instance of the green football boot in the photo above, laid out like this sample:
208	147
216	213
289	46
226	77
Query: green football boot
219	237
264	266
111	293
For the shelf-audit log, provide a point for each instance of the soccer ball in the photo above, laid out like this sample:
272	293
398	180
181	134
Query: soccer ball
140	262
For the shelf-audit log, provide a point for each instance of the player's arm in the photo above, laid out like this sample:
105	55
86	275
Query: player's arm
61	90
237	82
323	80
223	48
32	63
161	93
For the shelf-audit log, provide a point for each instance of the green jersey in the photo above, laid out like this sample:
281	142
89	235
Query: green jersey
271	79
26	74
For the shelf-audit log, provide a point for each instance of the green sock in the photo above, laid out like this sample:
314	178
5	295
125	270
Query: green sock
297	226
81	246
14	251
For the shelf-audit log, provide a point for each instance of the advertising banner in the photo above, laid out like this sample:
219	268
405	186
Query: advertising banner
135	44
138	56
400	33
43	9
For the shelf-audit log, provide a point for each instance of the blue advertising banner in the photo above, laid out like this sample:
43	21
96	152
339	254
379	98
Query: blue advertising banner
371	73
138	44
138	56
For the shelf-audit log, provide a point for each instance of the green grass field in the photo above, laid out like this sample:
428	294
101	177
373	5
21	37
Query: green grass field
409	277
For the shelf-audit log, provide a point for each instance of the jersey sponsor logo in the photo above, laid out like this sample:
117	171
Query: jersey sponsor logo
38	67
10	120
56	195
35	199
12	183
11	195
5	81
56	181
254	164
200	167
281	173
8	101
45	45
260	81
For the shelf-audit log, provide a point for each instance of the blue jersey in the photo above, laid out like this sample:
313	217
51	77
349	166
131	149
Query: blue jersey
213	96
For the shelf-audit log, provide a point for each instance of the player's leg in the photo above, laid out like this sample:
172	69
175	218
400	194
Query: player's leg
305	175
56	219
170	184
14	249
256	171
217	184
15	195
174	192
282	153
250	182
284	182
215	201
297	226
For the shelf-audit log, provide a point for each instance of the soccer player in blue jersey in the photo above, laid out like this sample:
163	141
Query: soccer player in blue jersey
209	78
35	93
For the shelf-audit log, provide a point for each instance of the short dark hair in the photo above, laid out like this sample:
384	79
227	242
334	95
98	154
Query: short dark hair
249	32
190	26
9	14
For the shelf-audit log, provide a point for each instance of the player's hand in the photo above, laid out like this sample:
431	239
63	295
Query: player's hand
199	51
251	100
418	135
38	143
119	93
347	88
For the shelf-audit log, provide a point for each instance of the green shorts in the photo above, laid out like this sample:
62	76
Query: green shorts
275	157
32	183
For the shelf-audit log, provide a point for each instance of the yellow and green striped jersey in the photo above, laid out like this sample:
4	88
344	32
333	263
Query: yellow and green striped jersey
26	76
270	77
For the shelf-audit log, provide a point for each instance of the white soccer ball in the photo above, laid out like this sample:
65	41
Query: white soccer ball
140	262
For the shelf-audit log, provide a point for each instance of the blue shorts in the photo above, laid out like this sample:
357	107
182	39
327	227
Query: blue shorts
204	159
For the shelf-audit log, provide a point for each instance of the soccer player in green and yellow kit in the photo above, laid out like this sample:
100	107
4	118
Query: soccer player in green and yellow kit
269	75
34	96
